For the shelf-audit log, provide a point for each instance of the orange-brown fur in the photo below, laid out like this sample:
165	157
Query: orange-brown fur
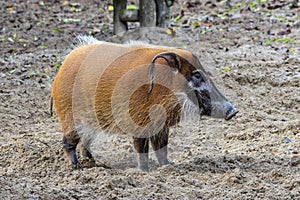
140	90
140	102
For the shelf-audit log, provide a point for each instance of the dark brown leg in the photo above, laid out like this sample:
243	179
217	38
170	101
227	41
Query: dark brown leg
85	152
141	146
84	144
159	144
69	146
89	161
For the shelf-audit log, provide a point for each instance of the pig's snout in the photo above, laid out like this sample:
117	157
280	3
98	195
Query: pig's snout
231	111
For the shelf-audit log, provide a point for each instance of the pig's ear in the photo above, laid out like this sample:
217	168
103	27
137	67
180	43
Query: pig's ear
171	58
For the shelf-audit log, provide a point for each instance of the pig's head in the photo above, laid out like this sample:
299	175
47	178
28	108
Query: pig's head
210	101
196	85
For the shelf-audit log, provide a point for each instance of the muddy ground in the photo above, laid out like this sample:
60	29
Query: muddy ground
252	50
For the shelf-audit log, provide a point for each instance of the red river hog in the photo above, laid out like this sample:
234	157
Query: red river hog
136	89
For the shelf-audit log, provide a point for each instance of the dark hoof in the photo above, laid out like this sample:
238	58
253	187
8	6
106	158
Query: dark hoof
77	167
89	162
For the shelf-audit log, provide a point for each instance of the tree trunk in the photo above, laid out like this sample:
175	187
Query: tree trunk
147	13
161	13
119	25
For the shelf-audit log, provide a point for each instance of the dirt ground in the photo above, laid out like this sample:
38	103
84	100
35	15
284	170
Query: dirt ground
251	49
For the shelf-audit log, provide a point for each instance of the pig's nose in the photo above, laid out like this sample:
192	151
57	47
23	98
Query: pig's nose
231	111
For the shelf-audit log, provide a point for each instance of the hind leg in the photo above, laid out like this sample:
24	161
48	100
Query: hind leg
85	152
70	142
89	161
84	144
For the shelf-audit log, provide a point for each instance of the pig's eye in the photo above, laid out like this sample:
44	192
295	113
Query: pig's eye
197	77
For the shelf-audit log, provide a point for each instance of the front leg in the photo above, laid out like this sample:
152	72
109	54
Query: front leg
159	144
141	146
